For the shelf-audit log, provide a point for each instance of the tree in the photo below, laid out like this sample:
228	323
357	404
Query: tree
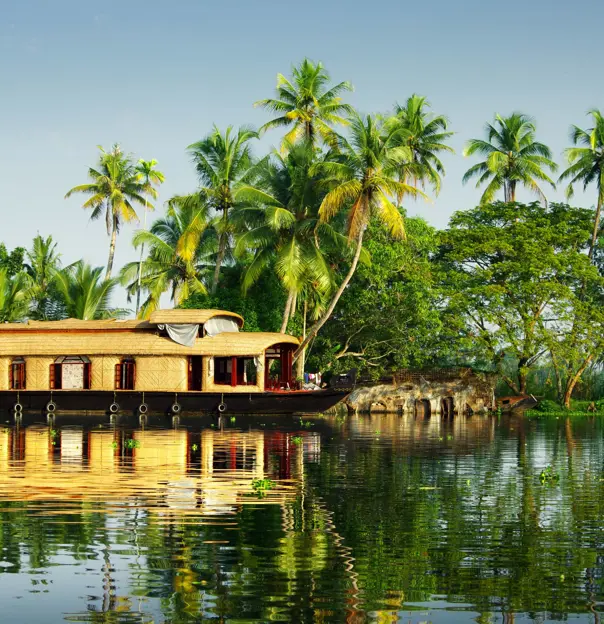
151	177
390	315
424	136
504	266
85	296
361	183
309	104
513	157
225	168
284	232
586	166
43	262
115	187
181	247
14	296
13	261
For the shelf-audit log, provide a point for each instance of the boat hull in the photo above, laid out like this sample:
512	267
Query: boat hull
99	402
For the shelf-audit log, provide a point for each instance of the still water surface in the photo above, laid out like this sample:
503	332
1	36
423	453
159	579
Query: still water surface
361	519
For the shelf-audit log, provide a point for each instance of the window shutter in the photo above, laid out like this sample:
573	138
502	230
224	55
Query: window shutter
52	377
133	374
11	376
87	375
190	376
118	376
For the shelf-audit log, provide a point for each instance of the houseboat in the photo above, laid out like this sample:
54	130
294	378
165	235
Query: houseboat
177	361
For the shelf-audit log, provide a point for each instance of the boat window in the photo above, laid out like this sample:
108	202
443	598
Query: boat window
125	374
195	368
17	374
235	371
71	372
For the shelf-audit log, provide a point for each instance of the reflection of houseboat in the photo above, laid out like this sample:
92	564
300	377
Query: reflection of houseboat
179	360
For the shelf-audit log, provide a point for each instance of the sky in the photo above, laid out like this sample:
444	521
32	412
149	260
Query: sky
155	76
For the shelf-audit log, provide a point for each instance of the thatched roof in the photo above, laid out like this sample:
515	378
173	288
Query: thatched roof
190	316
158	317
27	343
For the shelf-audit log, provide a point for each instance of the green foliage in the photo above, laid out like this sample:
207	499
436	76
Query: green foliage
548	476
11	262
504	266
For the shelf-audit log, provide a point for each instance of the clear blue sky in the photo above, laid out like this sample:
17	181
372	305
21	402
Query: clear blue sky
155	76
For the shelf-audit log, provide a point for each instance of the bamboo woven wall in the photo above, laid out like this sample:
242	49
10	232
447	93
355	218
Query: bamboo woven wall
37	372
169	374
103	372
4	373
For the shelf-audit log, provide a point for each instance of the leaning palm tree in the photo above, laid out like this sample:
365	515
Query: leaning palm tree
114	188
424	136
284	231
151	178
15	296
181	247
85	295
362	185
225	168
586	166
512	158
43	262
307	104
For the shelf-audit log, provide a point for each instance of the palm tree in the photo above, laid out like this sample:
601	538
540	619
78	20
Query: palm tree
15	296
284	231
41	267
181	247
512	157
151	177
361	184
225	168
85	295
586	165
114	188
424	135
308	103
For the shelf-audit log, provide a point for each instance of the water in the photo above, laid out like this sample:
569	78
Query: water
361	519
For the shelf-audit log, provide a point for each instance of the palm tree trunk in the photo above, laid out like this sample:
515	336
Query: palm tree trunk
594	237
287	311
314	330
512	191
111	249
140	266
222	241
301	360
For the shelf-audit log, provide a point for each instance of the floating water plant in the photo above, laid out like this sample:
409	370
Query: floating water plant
131	444
548	477
296	440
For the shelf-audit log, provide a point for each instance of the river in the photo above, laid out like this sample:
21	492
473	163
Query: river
381	518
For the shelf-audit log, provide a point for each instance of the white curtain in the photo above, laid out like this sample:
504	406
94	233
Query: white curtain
219	324
182	334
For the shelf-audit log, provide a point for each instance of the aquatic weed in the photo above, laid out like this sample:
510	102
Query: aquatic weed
548	477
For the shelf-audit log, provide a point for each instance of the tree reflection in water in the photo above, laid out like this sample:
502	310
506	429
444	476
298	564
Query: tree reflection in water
368	517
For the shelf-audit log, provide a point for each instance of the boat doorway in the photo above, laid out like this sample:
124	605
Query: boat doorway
278	368
447	407
195	373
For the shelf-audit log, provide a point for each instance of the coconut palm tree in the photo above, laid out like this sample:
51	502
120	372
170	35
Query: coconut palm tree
181	250
43	262
307	104
586	165
85	295
284	231
151	178
15	296
361	183
115	186
424	135
512	158
226	172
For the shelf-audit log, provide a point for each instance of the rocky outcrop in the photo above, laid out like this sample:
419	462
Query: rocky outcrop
426	393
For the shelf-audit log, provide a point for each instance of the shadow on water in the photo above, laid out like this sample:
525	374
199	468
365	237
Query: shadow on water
382	518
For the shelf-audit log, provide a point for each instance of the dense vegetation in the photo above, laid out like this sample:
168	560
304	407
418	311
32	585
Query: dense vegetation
313	239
